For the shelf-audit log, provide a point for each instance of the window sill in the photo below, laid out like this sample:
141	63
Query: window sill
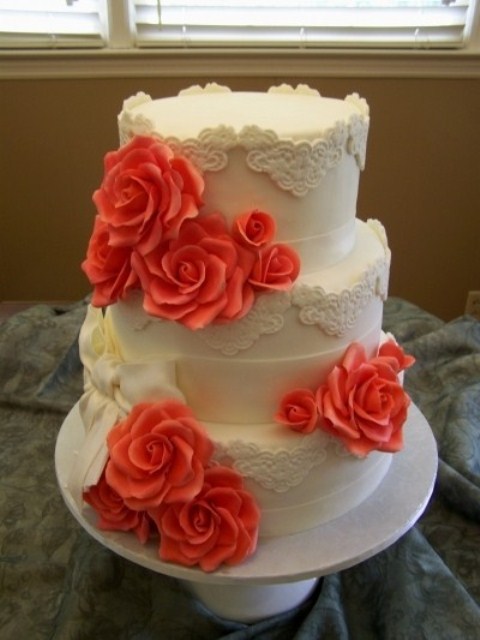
112	63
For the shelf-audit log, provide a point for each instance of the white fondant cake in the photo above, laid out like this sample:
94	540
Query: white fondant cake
234	273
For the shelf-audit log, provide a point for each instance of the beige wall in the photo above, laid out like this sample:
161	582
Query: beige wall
422	178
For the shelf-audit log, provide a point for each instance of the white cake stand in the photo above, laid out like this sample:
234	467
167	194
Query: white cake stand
284	571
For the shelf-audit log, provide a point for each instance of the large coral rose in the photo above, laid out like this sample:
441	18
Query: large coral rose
113	513
108	268
199	278
146	194
219	526
157	454
363	403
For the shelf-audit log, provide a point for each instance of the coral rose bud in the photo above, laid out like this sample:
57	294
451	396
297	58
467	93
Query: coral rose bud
298	410
254	229
277	267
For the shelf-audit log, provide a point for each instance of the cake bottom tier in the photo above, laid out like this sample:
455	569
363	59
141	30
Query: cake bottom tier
299	481
238	372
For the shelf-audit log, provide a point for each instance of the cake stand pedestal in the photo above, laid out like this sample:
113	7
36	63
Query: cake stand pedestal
284	571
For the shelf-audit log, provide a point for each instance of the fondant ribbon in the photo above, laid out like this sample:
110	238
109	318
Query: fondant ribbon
111	388
326	249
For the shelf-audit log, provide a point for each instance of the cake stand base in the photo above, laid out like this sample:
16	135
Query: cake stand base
284	571
251	603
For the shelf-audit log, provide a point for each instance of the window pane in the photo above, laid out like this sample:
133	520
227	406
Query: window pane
306	23
51	23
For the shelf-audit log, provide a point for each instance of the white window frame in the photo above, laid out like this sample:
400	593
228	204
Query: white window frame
121	59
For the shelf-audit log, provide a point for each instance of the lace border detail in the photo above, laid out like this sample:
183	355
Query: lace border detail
333	313
279	470
296	167
267	316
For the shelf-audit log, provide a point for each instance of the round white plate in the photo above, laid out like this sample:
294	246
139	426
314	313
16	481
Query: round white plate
366	530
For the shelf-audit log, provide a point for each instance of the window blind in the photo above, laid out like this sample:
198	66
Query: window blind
52	23
220	23
283	23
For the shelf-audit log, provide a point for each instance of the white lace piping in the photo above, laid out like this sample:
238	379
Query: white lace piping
279	470
295	166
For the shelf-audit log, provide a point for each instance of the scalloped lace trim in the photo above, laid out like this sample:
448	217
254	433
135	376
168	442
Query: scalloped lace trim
332	313
296	167
335	314
209	151
266	316
279	470
210	87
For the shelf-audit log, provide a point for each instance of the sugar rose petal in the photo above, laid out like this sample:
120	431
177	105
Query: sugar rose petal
395	355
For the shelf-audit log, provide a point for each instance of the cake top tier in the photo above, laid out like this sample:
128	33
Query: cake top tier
299	114
289	154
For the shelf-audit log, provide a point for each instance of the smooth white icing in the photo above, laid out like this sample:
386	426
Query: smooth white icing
297	156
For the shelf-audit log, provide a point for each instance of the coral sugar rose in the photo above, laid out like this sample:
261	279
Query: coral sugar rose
108	268
146	193
157	454
219	526
200	278
276	269
113	513
254	229
298	410
363	404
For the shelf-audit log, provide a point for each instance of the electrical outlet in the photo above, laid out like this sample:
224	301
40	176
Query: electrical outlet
472	307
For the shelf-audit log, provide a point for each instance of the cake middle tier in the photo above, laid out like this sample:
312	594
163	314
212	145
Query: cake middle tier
238	372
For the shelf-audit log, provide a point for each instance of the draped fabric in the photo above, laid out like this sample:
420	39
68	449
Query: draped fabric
57	582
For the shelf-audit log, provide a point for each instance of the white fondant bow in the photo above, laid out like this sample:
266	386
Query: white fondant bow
111	388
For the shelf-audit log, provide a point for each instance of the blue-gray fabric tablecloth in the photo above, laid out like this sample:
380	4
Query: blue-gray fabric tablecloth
56	582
